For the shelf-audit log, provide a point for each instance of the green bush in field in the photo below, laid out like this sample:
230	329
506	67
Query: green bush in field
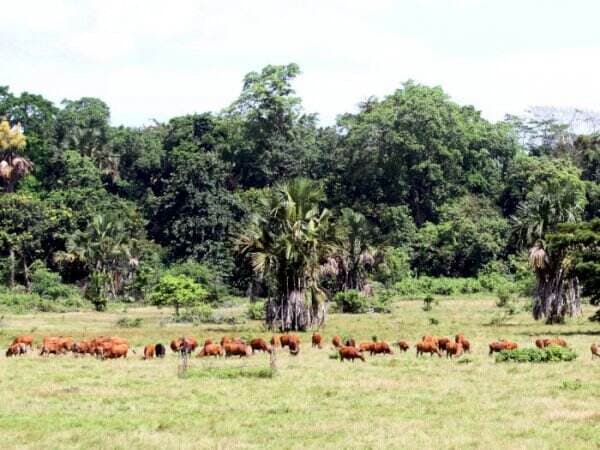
256	311
49	285
428	302
548	354
351	301
126	322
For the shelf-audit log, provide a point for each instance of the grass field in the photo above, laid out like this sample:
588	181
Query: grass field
313	401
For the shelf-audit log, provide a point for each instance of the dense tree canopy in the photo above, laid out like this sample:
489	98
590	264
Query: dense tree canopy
409	184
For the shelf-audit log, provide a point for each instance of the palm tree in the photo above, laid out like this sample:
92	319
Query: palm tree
291	244
557	293
13	167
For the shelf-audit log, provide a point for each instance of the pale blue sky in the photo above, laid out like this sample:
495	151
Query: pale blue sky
157	59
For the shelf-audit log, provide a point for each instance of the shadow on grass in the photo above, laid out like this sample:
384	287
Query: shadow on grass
230	372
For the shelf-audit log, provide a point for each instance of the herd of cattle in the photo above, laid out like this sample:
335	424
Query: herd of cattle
114	347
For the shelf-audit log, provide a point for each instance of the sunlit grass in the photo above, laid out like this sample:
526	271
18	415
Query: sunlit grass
312	400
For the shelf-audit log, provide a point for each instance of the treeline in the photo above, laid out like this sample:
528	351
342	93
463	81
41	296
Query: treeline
422	185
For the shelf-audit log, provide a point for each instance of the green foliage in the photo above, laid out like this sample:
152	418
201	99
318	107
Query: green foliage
256	311
351	301
535	355
48	285
428	303
227	373
178	291
126	322
204	313
204	275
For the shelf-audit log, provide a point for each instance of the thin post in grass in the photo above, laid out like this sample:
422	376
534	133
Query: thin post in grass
273	360
183	360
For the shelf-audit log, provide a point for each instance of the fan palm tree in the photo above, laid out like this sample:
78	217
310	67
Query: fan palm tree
13	167
557	292
291	245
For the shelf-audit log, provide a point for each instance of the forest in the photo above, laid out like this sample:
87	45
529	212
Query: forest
413	194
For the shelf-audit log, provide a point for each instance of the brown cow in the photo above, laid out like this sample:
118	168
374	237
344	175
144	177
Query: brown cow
294	345
442	342
365	346
259	345
459	338
595	350
466	345
241	350
316	340
554	341
16	349
24	339
403	345
431	339
337	341
428	346
381	348
454	349
284	340
208	341
211	350
350	352
350	342
275	341
114	351
51	347
149	351
80	348
502	344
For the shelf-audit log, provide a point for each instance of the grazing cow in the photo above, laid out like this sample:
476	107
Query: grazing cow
442	342
210	350
459	338
187	344
51	347
316	340
80	348
350	352
175	345
24	339
381	348
275	341
294	345
431	339
539	343
259	345
149	351
284	339
337	341
114	351
208	342
466	345
502	344
365	346
350	342
595	350
159	350
16	349
428	346
403	345
555	341
241	350
454	349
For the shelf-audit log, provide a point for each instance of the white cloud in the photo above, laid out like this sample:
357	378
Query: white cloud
158	59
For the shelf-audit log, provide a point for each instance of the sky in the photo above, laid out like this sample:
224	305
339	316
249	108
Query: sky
158	59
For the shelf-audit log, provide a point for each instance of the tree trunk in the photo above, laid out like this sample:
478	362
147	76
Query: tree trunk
291	313
556	296
26	275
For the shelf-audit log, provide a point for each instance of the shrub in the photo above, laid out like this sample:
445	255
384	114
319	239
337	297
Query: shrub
428	302
204	276
256	311
351	301
206	314
125	322
548	354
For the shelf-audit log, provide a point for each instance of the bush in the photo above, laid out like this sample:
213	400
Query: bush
351	301
548	354
428	302
204	276
125	322
256	311
206	314
438	286
48	285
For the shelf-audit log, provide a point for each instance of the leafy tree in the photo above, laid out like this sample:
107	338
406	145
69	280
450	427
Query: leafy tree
272	138
292	247
178	291
470	233
418	148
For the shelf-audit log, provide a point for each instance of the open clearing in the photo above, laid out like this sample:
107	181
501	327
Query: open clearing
314	401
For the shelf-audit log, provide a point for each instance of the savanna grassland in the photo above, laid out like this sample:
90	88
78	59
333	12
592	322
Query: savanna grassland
313	400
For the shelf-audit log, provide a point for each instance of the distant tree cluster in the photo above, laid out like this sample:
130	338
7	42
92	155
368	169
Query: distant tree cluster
272	204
